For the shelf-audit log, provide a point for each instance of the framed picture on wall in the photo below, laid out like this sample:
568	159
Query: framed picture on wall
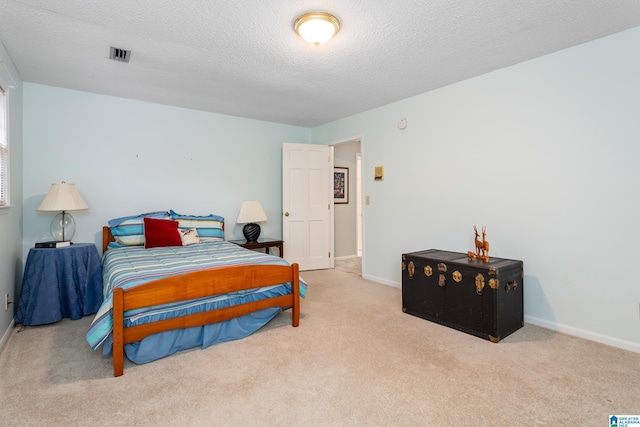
340	185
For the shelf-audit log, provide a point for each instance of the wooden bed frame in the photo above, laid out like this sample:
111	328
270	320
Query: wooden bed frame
194	285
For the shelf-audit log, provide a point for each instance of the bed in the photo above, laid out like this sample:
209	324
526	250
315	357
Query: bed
162	299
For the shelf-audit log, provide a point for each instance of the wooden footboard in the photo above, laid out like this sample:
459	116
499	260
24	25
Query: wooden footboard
199	285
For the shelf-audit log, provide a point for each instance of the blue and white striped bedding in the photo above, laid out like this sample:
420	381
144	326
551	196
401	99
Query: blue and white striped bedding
130	266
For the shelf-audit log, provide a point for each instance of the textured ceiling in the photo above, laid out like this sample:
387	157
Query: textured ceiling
243	58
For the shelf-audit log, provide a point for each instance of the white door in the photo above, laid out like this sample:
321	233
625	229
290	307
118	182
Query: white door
307	205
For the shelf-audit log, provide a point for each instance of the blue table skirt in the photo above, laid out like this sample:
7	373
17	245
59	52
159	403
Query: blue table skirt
59	283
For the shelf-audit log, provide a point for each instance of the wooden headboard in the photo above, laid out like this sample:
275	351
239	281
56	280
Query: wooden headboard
107	238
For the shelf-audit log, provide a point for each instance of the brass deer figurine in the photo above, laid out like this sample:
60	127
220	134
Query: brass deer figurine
482	246
478	242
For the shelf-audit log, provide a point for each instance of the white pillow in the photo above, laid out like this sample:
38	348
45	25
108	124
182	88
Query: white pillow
189	236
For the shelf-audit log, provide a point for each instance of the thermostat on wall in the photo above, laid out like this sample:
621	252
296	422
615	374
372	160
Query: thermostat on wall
402	124
378	173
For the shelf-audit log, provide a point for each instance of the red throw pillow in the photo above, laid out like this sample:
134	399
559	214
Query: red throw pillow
161	232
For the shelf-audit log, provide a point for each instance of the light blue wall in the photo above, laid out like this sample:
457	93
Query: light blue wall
128	157
10	218
545	154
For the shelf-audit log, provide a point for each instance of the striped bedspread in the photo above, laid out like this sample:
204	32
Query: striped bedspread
128	267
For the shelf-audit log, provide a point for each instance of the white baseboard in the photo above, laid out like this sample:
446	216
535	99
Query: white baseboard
382	281
581	333
7	334
569	330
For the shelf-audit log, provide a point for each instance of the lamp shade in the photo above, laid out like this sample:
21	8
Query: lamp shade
251	211
62	197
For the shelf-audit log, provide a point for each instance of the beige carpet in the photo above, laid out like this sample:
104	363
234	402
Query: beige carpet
350	265
355	360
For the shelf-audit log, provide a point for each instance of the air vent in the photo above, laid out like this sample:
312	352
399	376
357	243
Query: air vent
118	54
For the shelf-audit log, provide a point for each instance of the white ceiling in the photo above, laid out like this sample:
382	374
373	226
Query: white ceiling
242	57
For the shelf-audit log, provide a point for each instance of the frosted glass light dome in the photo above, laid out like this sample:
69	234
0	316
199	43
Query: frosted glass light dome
316	27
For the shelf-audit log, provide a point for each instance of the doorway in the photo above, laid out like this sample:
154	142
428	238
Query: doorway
348	222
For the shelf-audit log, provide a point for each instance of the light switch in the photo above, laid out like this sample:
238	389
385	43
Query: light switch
367	200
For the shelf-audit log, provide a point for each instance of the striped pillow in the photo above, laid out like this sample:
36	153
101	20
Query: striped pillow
210	228
129	230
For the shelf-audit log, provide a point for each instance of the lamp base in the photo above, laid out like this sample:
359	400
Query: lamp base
63	227
251	232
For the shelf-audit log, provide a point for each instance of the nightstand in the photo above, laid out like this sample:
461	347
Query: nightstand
58	283
265	243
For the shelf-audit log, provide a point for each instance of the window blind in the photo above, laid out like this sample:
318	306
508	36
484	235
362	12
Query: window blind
4	150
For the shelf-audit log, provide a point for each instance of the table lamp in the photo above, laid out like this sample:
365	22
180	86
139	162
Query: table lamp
251	212
62	197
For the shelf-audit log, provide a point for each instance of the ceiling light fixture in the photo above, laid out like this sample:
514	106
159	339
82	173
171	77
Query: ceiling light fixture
316	27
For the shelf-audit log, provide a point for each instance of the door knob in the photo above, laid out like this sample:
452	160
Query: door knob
286	214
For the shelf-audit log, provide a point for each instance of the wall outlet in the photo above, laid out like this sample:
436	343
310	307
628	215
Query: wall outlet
6	302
